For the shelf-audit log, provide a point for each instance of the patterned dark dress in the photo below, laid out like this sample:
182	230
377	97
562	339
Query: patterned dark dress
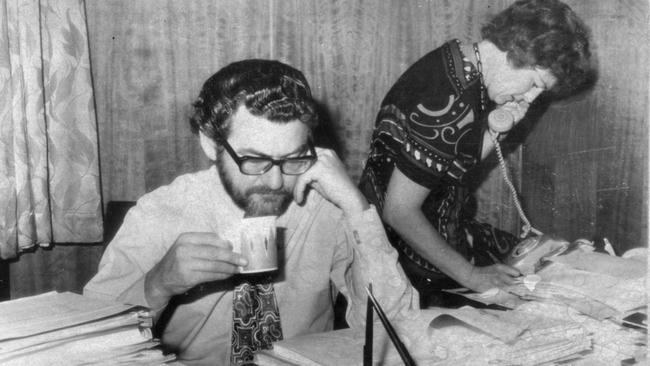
430	126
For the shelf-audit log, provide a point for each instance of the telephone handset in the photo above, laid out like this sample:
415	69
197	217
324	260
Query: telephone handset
500	121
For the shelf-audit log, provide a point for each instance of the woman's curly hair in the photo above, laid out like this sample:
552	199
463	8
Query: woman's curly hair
269	89
546	34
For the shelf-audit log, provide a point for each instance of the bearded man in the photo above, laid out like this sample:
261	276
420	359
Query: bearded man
255	119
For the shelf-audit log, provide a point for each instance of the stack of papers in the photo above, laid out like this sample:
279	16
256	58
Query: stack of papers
612	343
606	295
341	347
336	348
567	315
70	329
598	295
465	336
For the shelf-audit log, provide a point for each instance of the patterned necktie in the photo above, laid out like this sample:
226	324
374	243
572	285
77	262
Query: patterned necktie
256	320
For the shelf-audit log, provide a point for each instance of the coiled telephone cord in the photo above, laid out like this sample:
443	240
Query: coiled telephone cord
527	228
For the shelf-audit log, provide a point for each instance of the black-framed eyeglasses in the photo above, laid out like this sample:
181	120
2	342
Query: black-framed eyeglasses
257	165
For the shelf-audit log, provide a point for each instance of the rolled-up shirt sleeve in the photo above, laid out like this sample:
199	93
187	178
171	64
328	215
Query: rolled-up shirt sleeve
365	256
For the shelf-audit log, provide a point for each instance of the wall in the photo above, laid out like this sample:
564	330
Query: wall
151	57
585	161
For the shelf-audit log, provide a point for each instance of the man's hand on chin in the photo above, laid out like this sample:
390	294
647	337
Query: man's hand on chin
329	177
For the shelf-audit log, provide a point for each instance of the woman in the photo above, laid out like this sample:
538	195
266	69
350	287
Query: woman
432	129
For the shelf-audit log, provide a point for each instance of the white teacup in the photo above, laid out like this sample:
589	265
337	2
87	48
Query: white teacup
257	243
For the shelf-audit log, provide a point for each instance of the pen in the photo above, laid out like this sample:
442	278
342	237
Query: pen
367	347
401	349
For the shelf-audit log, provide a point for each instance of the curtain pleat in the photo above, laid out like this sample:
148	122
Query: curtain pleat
49	186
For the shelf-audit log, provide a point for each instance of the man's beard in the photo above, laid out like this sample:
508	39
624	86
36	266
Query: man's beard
257	200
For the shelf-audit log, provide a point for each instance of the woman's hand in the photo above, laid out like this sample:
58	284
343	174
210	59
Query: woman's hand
482	279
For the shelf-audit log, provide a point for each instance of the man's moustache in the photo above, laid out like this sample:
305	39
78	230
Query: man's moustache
266	191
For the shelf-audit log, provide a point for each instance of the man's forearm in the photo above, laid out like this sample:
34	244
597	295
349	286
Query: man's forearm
355	206
376	262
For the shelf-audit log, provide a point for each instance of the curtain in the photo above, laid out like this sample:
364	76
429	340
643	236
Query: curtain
49	168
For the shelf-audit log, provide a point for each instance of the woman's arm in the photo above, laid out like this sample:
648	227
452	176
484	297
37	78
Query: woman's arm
402	211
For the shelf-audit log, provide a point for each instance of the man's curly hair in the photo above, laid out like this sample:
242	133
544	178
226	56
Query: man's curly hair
267	88
546	34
